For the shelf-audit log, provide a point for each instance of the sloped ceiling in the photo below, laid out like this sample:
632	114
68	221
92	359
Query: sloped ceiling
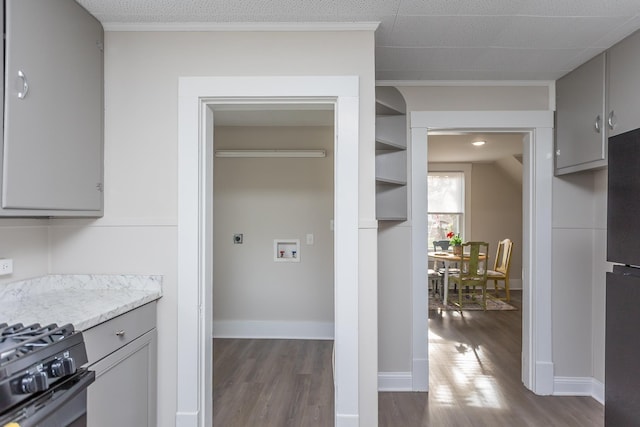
503	150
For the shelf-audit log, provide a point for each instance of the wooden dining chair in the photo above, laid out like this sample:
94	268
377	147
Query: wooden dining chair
472	275
442	246
434	281
501	267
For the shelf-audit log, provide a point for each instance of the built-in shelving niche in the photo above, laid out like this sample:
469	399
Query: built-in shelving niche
391	155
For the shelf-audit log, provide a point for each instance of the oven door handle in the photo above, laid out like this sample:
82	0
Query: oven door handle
54	399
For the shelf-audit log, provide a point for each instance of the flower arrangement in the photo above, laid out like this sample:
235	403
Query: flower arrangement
454	238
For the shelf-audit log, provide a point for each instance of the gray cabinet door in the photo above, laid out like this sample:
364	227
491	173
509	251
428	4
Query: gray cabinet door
124	393
52	147
624	85
580	121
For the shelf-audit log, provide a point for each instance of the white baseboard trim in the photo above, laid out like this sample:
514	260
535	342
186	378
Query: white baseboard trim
273	329
579	386
514	284
395	381
186	419
420	375
544	379
346	420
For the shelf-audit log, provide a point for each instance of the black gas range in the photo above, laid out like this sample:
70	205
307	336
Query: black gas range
42	382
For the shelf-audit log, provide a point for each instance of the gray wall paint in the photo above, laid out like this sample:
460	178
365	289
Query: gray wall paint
496	213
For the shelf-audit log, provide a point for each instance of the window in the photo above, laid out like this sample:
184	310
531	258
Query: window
446	204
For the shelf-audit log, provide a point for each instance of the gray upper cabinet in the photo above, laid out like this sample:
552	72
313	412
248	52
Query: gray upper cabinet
624	85
581	133
52	147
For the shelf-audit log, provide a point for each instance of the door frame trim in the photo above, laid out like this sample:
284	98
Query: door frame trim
537	360
195	233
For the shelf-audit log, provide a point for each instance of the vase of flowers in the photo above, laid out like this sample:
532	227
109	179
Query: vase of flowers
456	241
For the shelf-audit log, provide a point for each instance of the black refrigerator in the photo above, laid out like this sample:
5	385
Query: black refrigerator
622	348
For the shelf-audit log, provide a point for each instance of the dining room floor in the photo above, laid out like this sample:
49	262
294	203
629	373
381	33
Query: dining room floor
475	371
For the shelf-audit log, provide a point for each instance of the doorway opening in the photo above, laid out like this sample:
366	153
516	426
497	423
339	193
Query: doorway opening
273	308
476	191
537	126
196	117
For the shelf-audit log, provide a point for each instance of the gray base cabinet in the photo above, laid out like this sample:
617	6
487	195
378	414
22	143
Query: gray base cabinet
123	354
52	151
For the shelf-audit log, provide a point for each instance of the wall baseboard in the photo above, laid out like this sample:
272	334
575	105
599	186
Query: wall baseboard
395	381
187	419
579	386
273	329
347	420
514	284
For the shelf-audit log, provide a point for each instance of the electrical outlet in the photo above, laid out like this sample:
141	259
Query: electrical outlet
6	266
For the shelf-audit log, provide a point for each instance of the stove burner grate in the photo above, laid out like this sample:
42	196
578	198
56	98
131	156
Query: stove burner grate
18	340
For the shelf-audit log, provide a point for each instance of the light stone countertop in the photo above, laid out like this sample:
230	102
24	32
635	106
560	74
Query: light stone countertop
83	300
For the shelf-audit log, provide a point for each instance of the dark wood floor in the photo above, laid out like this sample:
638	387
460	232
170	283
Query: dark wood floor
474	381
272	383
475	365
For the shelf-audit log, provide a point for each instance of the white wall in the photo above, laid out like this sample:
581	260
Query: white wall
267	199
26	241
139	230
579	266
394	295
475	98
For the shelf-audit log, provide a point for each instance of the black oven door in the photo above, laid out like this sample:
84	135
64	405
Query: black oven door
63	405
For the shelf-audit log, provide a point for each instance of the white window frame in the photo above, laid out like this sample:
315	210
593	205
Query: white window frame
466	169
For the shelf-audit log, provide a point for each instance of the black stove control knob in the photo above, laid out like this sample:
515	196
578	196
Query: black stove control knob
33	383
62	367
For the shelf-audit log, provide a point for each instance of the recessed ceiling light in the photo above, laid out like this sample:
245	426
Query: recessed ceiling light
479	143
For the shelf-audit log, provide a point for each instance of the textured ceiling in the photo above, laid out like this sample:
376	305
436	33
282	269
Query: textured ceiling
427	39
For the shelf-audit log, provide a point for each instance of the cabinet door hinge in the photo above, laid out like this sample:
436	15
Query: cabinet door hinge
99	187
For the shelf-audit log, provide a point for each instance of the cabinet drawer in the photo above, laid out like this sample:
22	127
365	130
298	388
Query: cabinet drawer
109	336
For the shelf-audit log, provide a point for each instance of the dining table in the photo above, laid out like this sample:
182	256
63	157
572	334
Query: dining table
448	258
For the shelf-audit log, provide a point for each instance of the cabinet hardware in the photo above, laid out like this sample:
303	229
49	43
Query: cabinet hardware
597	123
120	333
25	85
612	119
